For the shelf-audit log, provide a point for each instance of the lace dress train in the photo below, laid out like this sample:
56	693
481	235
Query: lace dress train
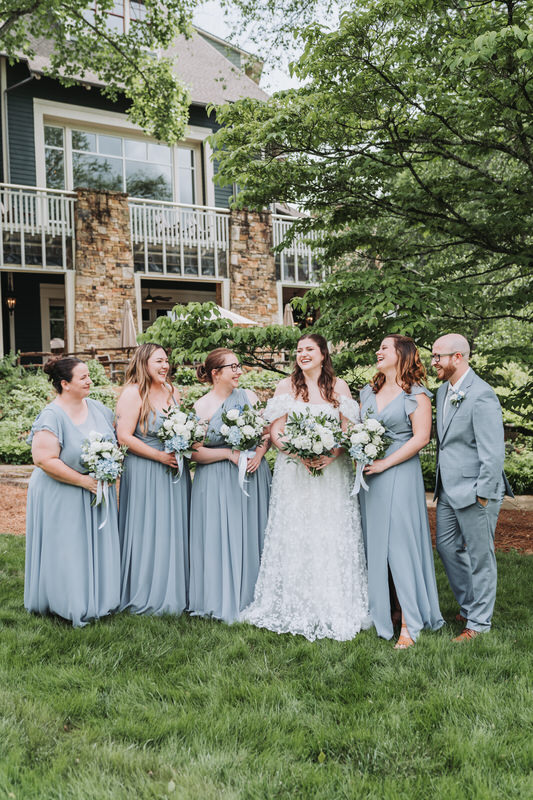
312	579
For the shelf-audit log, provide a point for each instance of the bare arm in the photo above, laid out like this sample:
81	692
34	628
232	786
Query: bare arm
127	416
421	422
45	451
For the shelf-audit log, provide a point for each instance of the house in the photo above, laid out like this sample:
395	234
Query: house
93	212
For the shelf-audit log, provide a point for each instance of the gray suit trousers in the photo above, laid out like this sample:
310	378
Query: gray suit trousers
465	543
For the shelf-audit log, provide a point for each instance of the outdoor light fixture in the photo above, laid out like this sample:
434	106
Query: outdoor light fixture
148	298
11	302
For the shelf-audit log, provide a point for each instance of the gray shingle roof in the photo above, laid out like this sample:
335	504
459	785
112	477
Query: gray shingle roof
210	76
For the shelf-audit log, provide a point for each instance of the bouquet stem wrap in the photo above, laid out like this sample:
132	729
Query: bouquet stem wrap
179	459
102	496
243	461
359	480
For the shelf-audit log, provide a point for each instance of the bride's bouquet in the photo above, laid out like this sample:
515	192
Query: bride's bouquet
104	459
179	431
309	436
365	442
242	429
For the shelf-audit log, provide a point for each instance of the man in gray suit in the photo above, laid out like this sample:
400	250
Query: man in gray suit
470	482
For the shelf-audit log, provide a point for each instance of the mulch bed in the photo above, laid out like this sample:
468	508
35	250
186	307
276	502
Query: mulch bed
514	531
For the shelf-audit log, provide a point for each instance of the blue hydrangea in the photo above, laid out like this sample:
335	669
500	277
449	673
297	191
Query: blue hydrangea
176	444
234	436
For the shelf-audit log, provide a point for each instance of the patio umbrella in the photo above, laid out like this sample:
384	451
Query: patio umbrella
128	335
288	316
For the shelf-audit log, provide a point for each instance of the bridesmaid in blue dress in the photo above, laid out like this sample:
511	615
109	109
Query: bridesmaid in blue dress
153	505
227	527
72	567
394	513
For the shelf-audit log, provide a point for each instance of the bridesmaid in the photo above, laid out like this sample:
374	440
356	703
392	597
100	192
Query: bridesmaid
394	512
154	507
72	567
227	528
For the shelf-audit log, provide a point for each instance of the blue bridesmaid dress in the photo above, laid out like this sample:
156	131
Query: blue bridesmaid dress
227	529
154	531
72	567
396	527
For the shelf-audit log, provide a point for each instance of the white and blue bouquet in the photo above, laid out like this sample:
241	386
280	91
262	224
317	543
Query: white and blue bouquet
307	435
242	429
104	459
179	431
365	442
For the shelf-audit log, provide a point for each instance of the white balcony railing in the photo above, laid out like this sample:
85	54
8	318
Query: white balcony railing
36	228
179	240
299	262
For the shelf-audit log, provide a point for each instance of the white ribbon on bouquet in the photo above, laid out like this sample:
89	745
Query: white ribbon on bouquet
243	461
359	479
102	496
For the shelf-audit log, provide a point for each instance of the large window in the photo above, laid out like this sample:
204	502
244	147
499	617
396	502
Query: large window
121	14
76	157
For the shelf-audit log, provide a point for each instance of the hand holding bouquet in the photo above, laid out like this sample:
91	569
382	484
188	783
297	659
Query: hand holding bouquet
179	432
242	429
308	436
104	459
365	442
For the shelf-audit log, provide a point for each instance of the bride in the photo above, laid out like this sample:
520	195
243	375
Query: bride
312	579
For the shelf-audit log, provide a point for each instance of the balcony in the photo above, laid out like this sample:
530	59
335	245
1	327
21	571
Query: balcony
299	263
36	228
179	240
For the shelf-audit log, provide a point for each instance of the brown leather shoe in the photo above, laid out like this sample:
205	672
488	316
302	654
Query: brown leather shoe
466	635
460	618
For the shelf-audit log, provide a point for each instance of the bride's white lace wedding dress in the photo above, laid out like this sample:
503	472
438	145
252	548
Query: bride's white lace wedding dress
312	579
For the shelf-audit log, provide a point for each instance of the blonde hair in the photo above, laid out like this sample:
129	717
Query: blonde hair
137	373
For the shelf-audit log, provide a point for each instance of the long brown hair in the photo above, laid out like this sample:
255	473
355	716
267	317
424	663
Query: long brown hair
326	381
215	359
409	369
137	373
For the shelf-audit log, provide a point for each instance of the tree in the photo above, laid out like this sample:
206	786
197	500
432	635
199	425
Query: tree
196	328
84	42
410	145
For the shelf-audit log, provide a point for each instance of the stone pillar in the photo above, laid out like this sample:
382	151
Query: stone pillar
253	291
104	268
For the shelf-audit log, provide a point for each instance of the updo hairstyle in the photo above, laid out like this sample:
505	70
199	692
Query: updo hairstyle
409	368
215	360
60	368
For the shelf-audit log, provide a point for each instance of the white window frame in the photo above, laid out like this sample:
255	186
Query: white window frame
94	120
48	292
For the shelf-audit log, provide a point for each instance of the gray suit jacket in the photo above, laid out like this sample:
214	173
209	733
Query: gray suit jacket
470	445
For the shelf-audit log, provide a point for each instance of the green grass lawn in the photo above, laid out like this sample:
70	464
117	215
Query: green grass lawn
187	708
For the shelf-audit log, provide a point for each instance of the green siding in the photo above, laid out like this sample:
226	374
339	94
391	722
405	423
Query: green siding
226	50
223	194
21	140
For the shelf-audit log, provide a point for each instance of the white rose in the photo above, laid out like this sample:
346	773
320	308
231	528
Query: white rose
306	442
318	448
190	424
179	417
200	432
359	438
180	430
248	431
241	422
371	450
373	425
328	440
168	424
94	436
233	413
224	430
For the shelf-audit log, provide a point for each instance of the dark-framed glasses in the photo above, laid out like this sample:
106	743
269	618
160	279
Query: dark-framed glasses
436	357
234	367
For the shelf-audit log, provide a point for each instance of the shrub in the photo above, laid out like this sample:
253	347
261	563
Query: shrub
97	373
519	471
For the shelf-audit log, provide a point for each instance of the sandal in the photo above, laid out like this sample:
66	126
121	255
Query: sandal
405	640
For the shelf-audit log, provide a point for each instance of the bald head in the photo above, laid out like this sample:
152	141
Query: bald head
453	343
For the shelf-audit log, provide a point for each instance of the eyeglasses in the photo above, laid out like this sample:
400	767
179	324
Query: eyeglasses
234	367
436	357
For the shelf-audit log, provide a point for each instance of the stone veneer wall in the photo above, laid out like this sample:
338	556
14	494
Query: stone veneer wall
252	271
104	267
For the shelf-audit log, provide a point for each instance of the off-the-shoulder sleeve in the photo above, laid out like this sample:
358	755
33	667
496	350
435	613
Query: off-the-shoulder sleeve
349	409
278	406
411	403
48	420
